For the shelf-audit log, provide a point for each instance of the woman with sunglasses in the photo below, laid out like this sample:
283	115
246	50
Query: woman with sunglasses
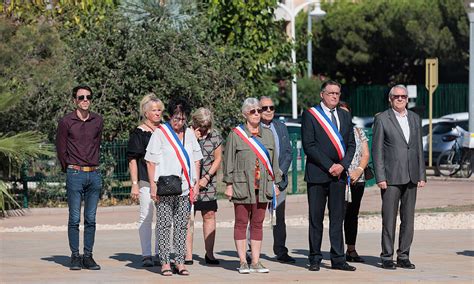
210	141
173	160
151	109
250	171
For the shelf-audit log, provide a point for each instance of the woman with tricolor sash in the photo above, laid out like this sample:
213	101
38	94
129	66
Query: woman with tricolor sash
173	160
251	173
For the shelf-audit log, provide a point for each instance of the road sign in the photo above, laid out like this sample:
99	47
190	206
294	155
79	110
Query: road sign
431	74
431	84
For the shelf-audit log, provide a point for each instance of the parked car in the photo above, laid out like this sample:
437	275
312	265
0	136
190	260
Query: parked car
454	128
425	127
457	116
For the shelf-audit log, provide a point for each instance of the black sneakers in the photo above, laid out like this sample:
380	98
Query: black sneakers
89	263
76	262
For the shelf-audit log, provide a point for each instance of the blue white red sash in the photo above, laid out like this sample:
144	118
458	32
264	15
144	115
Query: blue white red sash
262	154
330	129
181	153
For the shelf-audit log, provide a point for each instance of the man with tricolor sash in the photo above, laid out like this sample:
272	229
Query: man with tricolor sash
328	141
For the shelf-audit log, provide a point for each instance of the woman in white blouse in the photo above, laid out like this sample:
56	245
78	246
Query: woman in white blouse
162	160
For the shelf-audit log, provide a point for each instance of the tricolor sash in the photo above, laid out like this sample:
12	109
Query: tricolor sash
262	154
181	153
330	129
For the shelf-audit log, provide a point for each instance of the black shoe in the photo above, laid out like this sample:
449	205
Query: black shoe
314	266
211	261
286	259
353	257
344	267
147	261
89	263
405	263
76	262
388	264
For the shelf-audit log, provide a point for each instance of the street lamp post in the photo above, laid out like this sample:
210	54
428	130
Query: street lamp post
288	12
470	13
317	13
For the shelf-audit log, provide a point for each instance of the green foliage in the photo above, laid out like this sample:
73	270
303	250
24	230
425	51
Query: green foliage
6	198
125	60
34	77
387	41
248	29
308	92
71	15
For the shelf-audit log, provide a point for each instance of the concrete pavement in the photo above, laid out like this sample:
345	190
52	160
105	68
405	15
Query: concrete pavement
36	255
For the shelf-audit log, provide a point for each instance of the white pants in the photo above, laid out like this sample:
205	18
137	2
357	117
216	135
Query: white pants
147	209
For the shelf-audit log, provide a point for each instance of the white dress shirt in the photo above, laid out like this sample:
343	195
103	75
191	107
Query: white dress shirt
402	119
327	111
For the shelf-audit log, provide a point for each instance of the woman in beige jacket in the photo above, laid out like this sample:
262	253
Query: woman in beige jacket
249	185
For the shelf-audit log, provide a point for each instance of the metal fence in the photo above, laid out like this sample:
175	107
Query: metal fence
43	184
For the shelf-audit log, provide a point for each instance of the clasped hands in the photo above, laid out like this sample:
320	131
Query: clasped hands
336	170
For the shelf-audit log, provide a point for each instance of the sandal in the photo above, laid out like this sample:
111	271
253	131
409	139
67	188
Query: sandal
183	272
167	272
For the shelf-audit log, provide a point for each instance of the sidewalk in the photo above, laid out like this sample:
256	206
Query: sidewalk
42	256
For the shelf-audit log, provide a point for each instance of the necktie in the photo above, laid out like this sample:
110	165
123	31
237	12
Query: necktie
333	118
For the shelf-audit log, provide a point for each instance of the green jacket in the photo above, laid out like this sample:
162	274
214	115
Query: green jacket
239	168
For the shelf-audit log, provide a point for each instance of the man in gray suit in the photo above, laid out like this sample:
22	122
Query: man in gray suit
397	153
283	148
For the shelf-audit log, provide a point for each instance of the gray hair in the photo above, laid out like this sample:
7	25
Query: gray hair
202	117
266	98
250	103
400	86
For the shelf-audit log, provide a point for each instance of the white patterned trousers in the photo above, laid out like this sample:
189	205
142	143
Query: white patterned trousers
172	211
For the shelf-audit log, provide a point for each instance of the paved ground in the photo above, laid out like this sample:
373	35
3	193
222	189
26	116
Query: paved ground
34	248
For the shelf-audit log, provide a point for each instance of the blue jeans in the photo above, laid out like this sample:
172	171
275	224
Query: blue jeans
82	185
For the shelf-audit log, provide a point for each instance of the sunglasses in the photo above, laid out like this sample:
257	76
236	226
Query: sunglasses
398	97
82	97
268	108
255	110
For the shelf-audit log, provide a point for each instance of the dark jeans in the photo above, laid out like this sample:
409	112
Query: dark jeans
334	193
82	185
351	222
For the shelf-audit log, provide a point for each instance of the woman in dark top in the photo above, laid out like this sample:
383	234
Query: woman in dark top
210	141
151	109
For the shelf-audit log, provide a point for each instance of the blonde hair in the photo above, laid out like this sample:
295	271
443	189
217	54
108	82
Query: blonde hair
202	117
146	101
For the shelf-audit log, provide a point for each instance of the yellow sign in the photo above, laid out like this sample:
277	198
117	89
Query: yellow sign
431	74
431	84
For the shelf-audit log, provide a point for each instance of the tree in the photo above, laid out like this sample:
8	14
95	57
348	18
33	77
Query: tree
248	29
125	60
387	41
33	70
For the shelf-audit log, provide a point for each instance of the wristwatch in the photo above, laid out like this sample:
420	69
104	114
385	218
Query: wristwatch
134	182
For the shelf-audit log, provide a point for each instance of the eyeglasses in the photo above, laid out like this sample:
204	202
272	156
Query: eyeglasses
336	94
255	110
178	119
268	108
82	97
399	97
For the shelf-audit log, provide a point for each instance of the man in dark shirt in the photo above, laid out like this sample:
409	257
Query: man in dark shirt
77	143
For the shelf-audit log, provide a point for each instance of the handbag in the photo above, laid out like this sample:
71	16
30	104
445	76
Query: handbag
169	185
368	173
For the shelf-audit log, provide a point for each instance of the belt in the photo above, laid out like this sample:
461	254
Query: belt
83	168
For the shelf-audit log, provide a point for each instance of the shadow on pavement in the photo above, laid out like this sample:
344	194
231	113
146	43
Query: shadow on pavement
466	253
135	260
63	260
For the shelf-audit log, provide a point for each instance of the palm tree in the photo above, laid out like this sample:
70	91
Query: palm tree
15	149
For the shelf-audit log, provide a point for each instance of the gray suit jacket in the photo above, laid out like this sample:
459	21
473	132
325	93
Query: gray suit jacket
396	161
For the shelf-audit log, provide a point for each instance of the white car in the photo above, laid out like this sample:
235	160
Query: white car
457	116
